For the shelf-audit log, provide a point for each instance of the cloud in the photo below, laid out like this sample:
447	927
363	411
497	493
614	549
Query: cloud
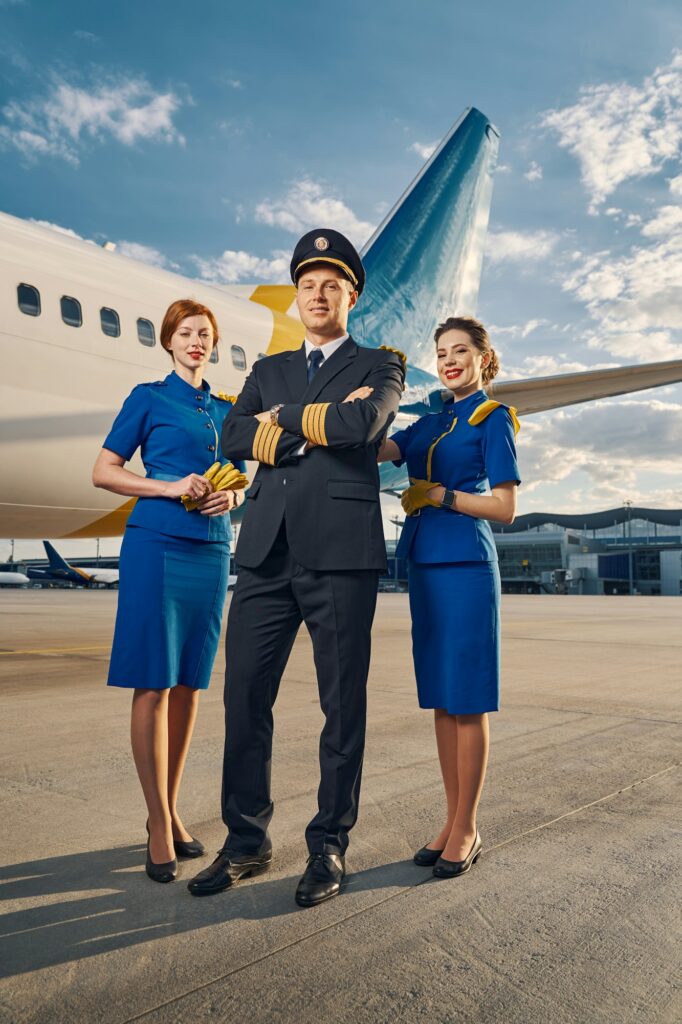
308	204
235	266
667	221
534	172
519	246
675	185
133	250
88	37
635	298
618	131
503	169
57	124
517	330
613	442
145	254
423	150
61	230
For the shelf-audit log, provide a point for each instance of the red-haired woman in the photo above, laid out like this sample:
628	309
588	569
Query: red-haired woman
174	567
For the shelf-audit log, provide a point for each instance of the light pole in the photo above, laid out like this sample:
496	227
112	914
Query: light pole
631	583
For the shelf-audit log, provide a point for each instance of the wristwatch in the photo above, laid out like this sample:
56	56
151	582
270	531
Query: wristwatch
449	499
274	413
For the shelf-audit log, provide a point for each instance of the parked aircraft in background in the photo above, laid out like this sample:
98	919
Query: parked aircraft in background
13	579
79	329
60	571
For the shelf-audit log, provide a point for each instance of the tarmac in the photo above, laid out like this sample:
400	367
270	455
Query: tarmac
571	915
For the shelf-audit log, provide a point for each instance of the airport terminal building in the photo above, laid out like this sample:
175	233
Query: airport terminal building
618	551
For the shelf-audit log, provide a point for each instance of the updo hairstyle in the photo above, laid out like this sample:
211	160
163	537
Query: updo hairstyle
479	337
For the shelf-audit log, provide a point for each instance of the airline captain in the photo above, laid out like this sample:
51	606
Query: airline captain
174	566
310	549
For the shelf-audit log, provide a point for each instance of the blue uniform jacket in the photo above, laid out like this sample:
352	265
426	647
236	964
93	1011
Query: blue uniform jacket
446	448
178	428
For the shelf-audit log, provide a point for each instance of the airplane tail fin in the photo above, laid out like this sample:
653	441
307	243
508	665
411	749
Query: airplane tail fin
54	558
424	261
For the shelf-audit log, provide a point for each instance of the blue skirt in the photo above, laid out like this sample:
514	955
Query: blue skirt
170	607
456	635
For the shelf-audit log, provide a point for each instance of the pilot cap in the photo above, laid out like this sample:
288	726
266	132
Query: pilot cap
323	245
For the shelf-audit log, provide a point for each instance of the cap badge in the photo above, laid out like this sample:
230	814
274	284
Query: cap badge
321	243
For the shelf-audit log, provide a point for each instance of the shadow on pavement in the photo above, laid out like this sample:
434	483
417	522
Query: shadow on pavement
92	903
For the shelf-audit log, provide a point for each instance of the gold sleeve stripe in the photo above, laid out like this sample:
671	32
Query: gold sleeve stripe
313	421
258	441
265	442
273	437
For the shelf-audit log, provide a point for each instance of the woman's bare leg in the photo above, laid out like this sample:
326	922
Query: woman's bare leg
183	704
446	741
472	758
149	738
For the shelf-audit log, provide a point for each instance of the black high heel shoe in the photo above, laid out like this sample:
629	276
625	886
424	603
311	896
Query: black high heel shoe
452	868
190	849
161	872
425	857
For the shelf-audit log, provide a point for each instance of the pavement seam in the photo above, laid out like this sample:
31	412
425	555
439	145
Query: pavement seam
403	892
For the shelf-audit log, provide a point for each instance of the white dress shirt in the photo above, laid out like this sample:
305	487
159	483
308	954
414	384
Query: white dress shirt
327	350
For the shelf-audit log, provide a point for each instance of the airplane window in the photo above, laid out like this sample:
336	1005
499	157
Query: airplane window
28	298
238	357
111	325
214	357
72	313
145	332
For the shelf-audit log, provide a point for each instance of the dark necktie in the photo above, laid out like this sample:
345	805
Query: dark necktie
315	360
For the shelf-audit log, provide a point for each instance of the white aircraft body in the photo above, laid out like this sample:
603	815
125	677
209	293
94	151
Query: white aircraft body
13	579
79	329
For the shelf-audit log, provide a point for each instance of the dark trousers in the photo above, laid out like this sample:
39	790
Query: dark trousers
268	605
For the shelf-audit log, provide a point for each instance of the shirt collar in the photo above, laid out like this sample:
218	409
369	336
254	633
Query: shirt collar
329	347
182	389
466	406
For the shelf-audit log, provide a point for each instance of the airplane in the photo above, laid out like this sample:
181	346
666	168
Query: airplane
79	329
13	579
60	571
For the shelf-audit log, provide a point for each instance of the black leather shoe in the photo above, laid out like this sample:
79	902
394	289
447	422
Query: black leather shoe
321	879
425	857
227	869
452	868
161	872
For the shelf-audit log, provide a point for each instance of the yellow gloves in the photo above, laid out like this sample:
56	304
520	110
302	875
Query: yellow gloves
221	478
415	497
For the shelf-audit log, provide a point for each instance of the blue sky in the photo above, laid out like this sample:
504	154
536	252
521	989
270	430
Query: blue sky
209	143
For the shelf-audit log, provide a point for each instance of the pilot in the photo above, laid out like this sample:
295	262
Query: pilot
454	583
310	549
174	565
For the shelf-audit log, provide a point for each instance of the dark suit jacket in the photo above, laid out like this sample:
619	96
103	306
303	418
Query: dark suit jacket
330	495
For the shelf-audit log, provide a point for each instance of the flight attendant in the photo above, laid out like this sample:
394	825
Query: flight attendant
174	566
452	458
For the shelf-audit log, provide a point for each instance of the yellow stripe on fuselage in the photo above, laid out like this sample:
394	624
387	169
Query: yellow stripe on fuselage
287	332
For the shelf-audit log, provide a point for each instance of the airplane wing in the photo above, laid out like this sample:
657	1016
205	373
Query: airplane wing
543	393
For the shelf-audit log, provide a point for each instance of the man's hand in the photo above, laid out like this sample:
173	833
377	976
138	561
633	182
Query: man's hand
263	417
362	392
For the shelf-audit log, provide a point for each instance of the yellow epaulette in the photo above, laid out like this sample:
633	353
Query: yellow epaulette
482	411
225	397
397	352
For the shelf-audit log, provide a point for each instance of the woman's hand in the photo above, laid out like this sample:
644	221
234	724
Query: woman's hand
194	486
220	502
363	392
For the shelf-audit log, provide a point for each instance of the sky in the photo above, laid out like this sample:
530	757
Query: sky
209	143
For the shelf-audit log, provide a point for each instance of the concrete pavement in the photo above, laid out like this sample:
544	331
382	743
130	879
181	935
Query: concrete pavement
571	915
